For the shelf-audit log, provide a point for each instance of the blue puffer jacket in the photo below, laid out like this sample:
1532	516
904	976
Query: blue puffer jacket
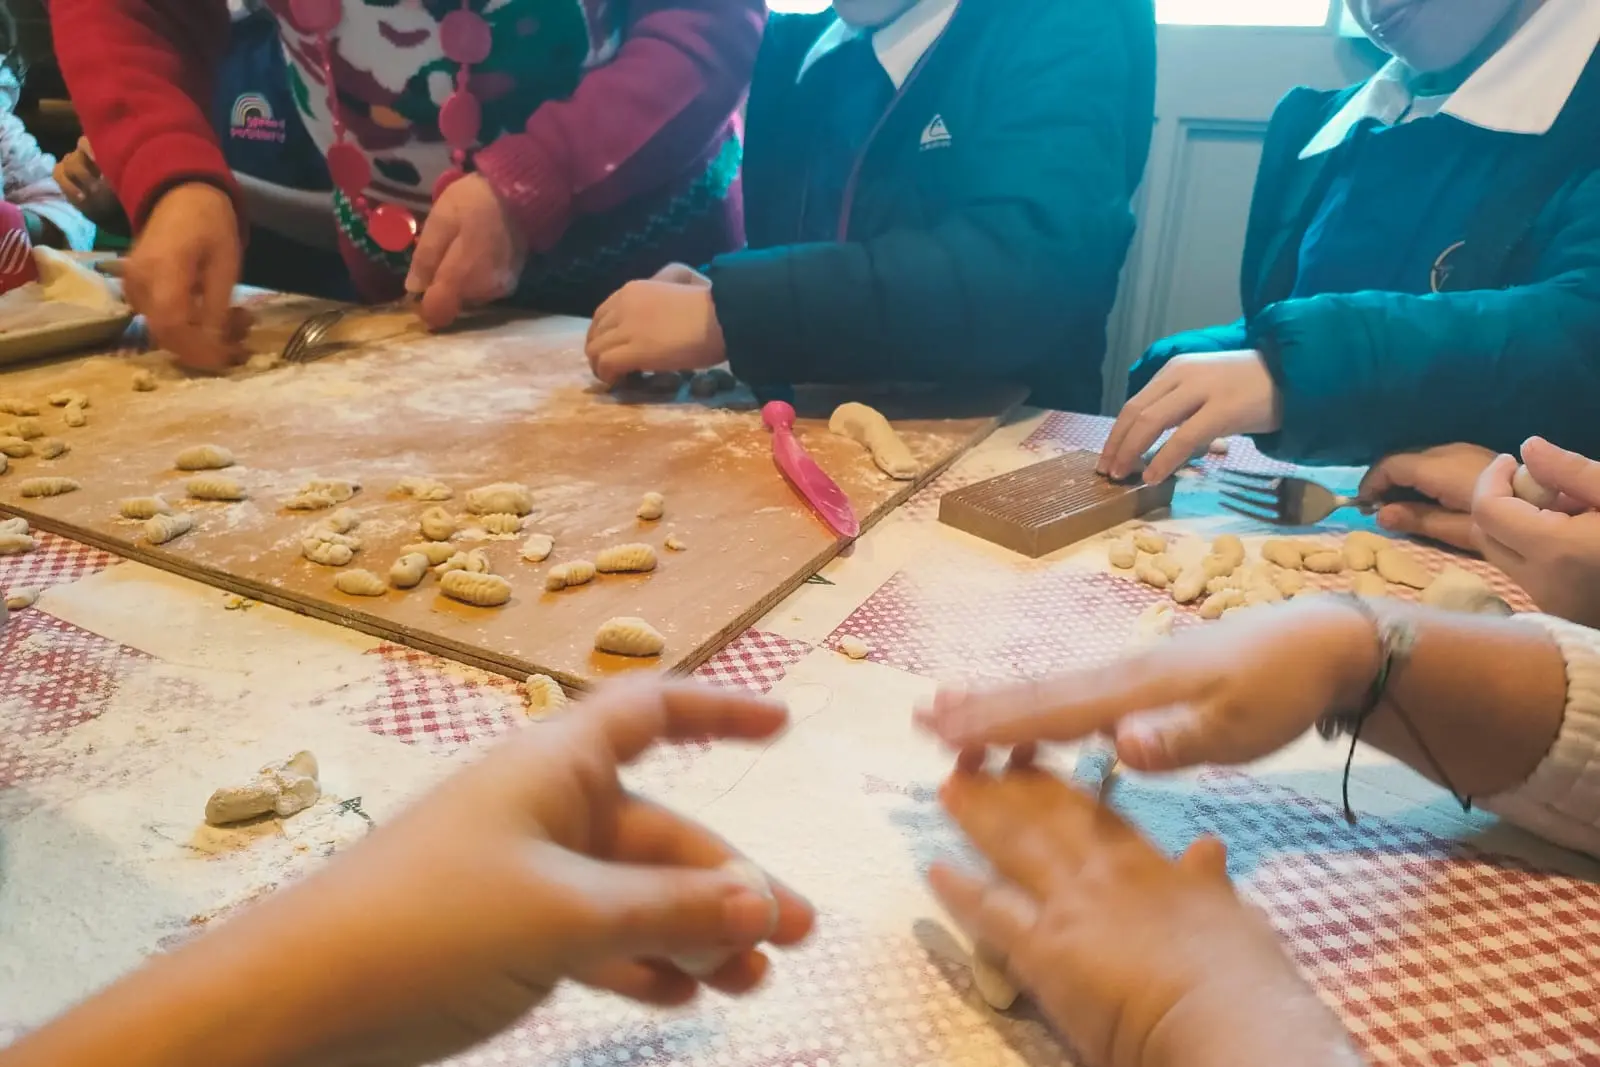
1509	349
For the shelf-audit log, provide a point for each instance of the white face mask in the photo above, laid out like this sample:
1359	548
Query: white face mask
1432	36
871	14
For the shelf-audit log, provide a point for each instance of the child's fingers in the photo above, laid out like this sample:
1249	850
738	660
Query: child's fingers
1569	473
1428	520
645	981
445	288
439	233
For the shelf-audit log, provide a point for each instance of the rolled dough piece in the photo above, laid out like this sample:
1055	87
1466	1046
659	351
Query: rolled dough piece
1526	487
867	426
854	647
282	788
1458	589
992	984
705	964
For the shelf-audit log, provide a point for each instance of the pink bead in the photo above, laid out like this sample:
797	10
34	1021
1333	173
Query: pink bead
392	228
349	168
465	37
446	180
460	119
316	16
361	204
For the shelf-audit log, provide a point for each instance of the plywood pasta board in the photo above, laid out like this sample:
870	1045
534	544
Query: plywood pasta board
514	402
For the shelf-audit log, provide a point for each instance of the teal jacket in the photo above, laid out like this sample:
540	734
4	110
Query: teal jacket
1509	348
988	253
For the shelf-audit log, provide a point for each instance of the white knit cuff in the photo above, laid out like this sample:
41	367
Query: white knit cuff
1561	800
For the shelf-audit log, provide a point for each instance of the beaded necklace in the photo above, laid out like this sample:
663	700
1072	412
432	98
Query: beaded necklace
465	39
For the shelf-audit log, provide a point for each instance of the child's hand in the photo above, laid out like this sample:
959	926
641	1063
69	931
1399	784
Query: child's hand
1447	474
84	186
1553	555
1137	959
655	326
471	252
181	272
1203	397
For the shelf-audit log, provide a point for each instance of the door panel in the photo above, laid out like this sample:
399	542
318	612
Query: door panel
1216	90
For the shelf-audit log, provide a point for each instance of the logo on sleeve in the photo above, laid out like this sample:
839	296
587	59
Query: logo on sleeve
936	134
251	120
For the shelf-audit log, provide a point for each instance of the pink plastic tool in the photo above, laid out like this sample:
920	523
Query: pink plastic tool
819	490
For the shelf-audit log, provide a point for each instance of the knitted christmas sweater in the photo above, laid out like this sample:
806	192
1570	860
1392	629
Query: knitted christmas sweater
610	127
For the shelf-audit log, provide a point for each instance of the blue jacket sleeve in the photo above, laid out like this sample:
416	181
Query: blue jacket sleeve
1366	374
996	285
1229	338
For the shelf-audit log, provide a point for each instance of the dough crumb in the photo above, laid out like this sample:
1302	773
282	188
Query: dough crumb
282	789
144	381
651	507
1219	446
22	597
854	647
674	543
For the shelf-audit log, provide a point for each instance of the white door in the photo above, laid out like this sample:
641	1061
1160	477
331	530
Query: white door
1216	88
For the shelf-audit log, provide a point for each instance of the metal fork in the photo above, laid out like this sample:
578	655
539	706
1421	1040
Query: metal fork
1287	500
309	336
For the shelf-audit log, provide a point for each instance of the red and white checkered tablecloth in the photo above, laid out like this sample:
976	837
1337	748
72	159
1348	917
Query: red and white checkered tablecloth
1433	949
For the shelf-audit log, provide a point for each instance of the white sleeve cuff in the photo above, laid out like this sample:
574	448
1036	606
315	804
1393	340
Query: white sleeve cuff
1561	800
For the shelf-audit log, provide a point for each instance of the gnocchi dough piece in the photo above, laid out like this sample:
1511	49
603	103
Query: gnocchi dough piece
578	572
991	982
437	524
1402	568
1359	556
204	458
284	788
1152	541
1458	589
1124	554
334	537
435	551
18	525
1527	488
164	527
425	489
36	487
15	544
626	559
1325	561
542	694
326	553
501	523
1258	595
1219	604
22	598
480	590
408	571
867	427
358	582
1219	446
705	964
309	502
1289	583
321	493
1229	547
144	381
674	543
74	417
4	462
629	636
1150	574
215	487
854	647
51	447
512	497
342	521
1154	623
537	548
651	507
473	561
10	405
1369	539
1285	554
63	397
15	447
1369	584
1189	585
27	429
1167	565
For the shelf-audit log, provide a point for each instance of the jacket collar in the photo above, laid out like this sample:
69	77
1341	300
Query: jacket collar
1521	89
899	46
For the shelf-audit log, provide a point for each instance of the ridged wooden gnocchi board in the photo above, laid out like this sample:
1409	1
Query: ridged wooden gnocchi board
512	402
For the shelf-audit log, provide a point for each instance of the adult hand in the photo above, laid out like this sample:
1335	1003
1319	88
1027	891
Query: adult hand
1203	397
655	326
470	252
180	276
1228	693
531	866
1553	555
84	186
1138	960
1446	475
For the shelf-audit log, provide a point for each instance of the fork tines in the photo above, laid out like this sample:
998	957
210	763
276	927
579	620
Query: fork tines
1254	496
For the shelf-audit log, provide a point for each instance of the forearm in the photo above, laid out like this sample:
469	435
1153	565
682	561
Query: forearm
1485	697
303	217
1284	1023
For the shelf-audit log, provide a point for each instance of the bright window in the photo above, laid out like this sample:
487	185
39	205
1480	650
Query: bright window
1244	12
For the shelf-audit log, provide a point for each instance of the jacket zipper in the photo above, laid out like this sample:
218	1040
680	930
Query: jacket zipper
848	204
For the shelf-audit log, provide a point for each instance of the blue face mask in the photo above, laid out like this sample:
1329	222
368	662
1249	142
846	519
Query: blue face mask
1431	36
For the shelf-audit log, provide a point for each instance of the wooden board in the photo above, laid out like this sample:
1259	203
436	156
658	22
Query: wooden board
514	402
